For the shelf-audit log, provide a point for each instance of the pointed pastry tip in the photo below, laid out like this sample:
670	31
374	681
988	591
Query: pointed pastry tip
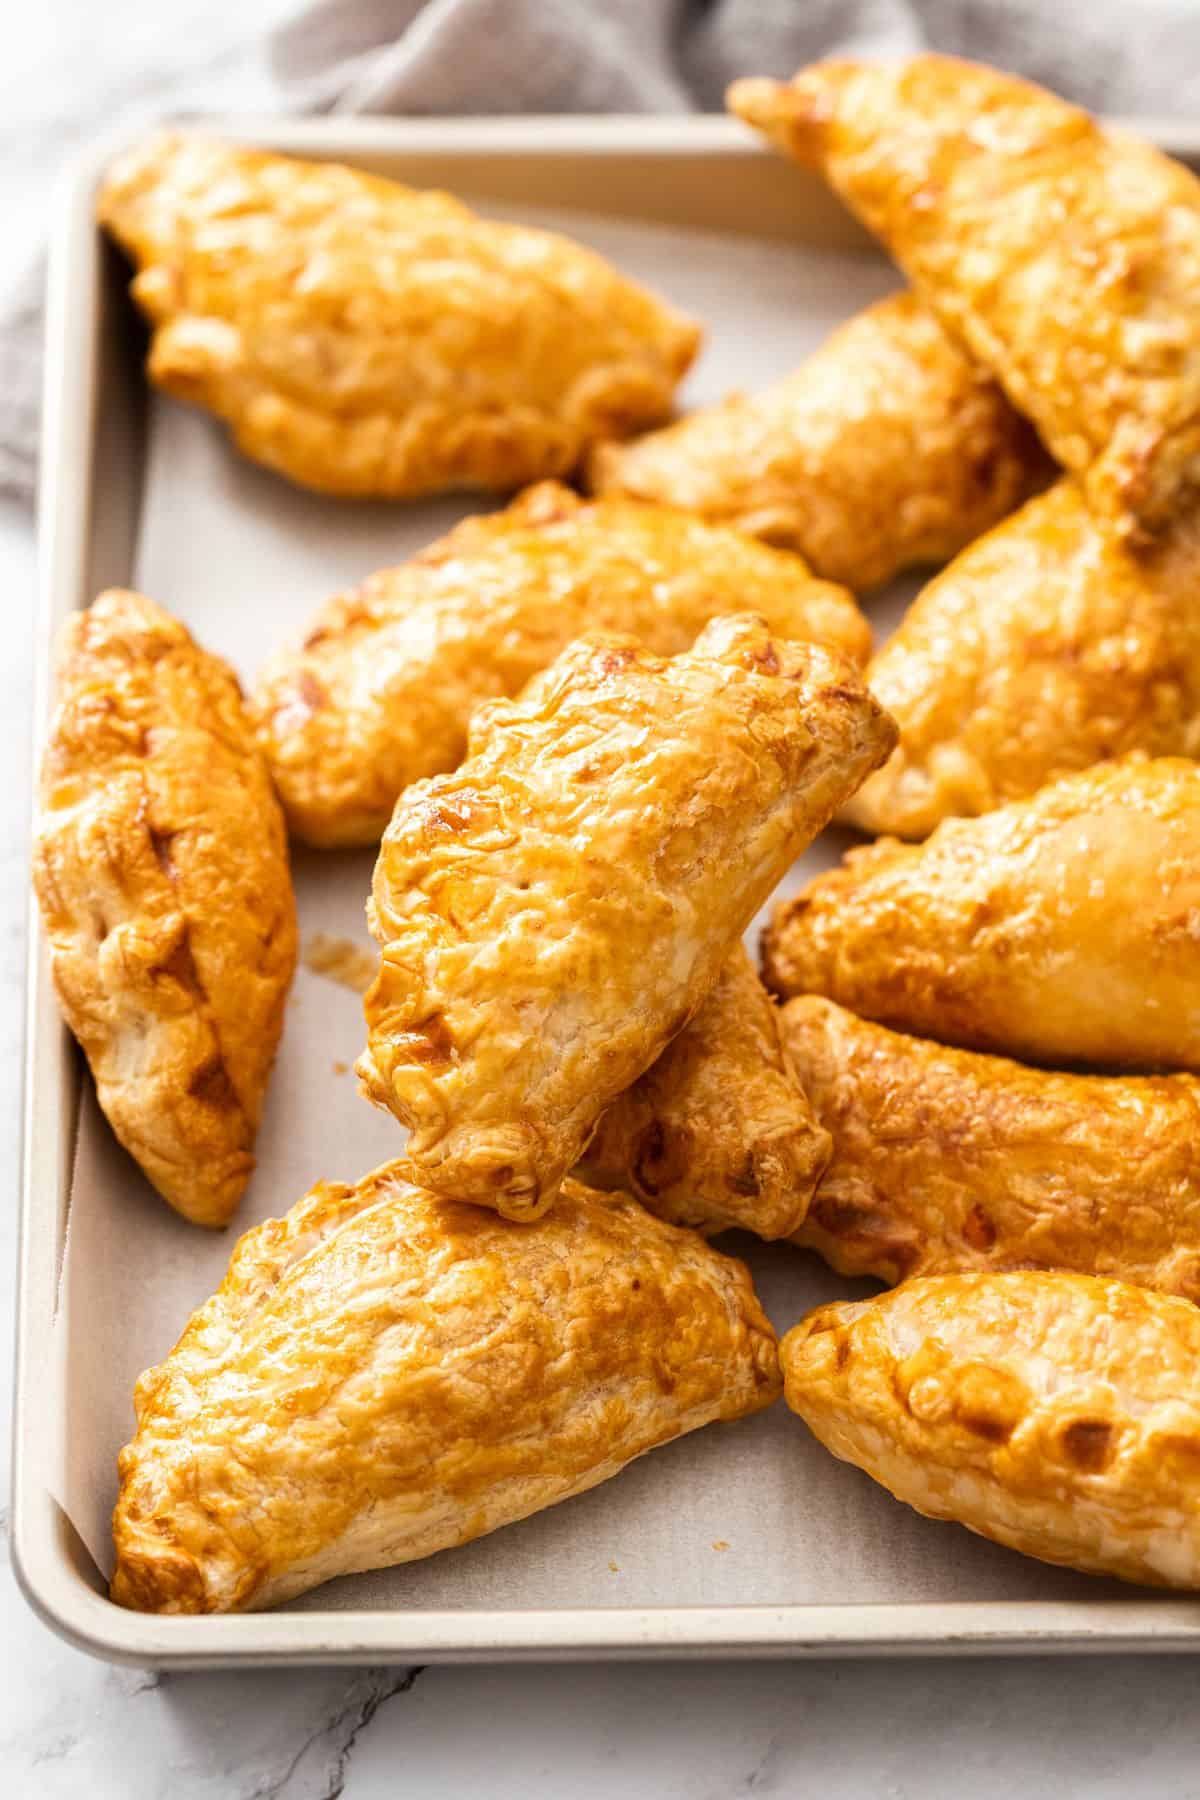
793	114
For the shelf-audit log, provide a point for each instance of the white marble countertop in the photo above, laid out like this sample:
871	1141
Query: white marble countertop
73	1727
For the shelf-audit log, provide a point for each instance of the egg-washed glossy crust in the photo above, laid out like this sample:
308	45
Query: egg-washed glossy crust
551	915
888	448
1054	1413
365	338
717	1134
948	1160
381	689
1062	929
1045	647
383	1374
161	868
1065	256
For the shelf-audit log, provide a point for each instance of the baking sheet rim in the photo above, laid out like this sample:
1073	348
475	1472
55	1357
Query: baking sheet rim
56	1588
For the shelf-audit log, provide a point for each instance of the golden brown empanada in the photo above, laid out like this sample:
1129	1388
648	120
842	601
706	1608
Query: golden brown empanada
554	913
1063	929
1065	256
717	1133
382	688
889	447
1044	648
383	1374
1057	1414
160	863
365	338
948	1160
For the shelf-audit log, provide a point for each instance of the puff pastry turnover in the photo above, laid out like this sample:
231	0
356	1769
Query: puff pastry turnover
1064	255
946	1160
717	1133
1063	929
551	915
160	863
1054	1413
381	689
364	338
1045	647
889	447
383	1374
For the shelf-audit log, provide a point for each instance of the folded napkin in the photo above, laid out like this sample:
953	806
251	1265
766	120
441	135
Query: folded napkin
543	56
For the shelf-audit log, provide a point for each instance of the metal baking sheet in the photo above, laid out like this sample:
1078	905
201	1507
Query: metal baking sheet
742	1540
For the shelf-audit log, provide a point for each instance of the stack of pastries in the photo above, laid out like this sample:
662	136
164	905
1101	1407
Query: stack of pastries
590	733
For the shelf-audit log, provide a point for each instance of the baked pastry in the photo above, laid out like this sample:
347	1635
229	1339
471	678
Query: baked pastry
1065	256
554	913
383	1374
888	448
1053	1413
717	1134
1061	929
1047	646
947	1160
382	687
365	338
160	863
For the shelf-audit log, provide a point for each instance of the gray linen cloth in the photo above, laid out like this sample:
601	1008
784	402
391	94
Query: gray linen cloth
563	56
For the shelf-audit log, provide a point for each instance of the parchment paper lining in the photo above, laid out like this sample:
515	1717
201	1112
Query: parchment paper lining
750	1513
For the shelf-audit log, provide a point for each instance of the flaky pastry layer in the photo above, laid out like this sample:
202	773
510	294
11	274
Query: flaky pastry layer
888	448
380	691
1054	1413
1063	929
718	1133
365	338
1064	255
161	867
1045	647
383	1374
552	915
946	1160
